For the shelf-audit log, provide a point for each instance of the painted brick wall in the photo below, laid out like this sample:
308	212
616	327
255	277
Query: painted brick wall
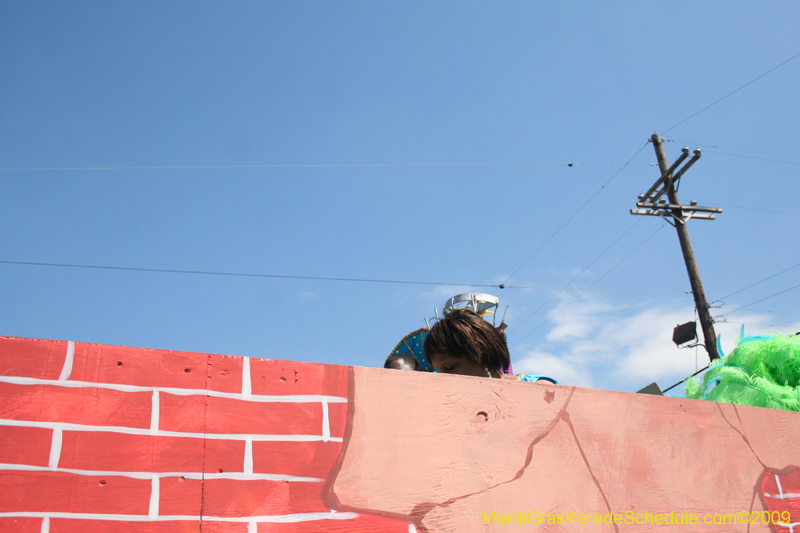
98	438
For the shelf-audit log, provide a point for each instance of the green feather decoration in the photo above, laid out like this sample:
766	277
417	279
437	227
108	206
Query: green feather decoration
761	371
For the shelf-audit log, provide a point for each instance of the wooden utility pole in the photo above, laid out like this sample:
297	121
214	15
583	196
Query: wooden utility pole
679	215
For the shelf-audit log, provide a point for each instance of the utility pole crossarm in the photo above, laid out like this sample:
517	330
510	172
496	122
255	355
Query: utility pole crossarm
680	219
681	207
649	196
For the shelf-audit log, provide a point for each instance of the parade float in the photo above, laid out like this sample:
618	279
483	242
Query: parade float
97	438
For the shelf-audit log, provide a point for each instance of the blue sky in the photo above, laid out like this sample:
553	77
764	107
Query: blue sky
398	141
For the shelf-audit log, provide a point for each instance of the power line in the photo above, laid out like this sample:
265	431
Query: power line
730	93
577	275
681	381
540	287
593	284
324	165
316	278
735	149
754	157
758	209
775	312
581	208
762	299
241	274
770	325
762	281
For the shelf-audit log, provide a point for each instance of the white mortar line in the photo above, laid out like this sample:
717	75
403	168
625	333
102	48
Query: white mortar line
326	423
155	413
246	386
155	496
786	496
248	455
66	370
263	398
55	448
45	525
240	476
252	527
162	433
286	518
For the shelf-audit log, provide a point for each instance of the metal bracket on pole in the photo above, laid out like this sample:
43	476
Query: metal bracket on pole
649	196
654	206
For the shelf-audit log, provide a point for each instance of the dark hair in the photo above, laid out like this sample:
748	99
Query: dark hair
407	357
463	333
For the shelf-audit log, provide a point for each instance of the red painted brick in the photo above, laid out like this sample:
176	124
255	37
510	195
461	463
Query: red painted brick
234	498
62	525
225	415
32	358
308	459
790	483
62	492
21	525
360	524
180	496
76	405
224	527
106	451
156	368
269	376
337	418
225	374
25	446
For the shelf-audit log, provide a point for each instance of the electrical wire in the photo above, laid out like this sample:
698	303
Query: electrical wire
775	312
770	325
735	149
753	157
731	93
759	209
762	281
681	381
593	284
581	208
554	296
241	274
325	165
317	278
762	299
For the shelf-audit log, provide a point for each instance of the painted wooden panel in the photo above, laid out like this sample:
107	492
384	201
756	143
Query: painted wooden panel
103	438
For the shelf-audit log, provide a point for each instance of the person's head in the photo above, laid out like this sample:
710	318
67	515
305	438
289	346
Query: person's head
464	343
402	361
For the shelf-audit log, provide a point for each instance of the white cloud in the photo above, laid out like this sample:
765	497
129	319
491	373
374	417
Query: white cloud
593	343
561	369
577	320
